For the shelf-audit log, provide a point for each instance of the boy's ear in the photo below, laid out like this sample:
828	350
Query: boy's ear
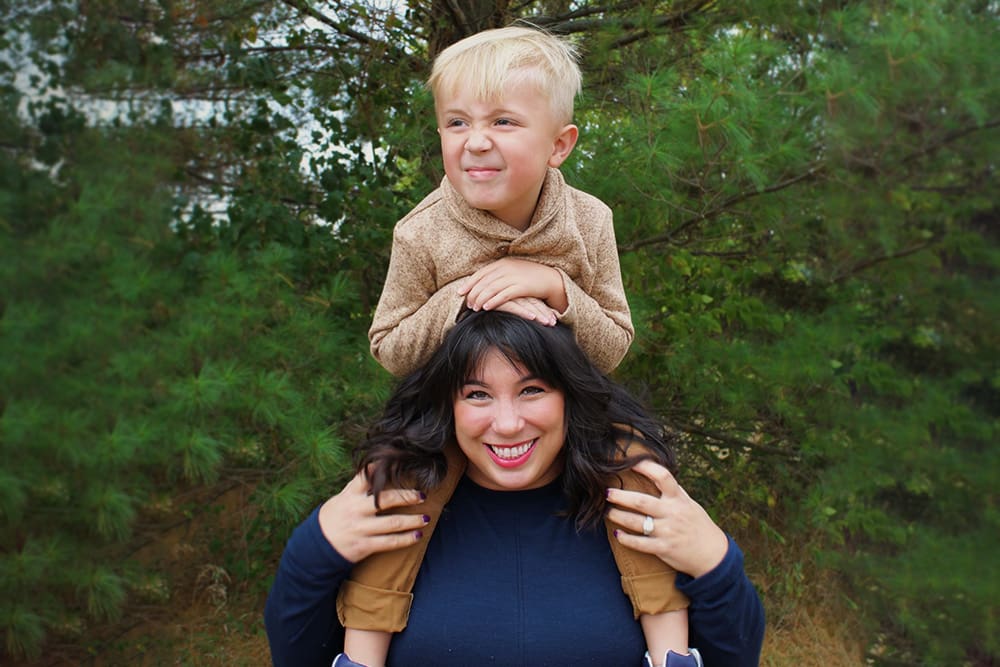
563	145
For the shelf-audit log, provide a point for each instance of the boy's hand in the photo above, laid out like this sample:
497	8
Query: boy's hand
530	308
507	279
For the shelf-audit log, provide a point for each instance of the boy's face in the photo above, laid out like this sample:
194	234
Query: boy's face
496	153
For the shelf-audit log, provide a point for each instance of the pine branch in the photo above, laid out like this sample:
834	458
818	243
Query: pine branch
202	22
393	53
671	235
585	20
552	23
258	50
950	138
879	259
733	441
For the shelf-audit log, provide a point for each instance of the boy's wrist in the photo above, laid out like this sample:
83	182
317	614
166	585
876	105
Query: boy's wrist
557	298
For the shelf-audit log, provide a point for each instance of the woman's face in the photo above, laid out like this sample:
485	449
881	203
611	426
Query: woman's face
510	425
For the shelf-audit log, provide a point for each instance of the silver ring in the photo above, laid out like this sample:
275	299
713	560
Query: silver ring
647	526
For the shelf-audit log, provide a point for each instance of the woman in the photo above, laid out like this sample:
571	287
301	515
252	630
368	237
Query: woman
517	571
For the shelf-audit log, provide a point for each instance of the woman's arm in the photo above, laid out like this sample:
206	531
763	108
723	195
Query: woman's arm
300	616
726	617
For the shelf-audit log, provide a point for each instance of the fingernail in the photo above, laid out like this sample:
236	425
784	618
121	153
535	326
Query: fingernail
427	519
616	532
418	534
423	496
607	493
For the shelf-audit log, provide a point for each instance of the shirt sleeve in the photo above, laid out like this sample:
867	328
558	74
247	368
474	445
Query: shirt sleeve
300	614
726	617
414	313
601	319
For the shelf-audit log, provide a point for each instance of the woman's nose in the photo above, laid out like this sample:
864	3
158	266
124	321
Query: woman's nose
506	419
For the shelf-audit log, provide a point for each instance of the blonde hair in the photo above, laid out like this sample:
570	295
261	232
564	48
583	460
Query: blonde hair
488	61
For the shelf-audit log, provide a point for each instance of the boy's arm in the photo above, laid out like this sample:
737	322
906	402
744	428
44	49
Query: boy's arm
413	314
601	318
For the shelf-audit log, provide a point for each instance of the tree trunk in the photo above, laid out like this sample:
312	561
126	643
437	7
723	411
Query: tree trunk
451	20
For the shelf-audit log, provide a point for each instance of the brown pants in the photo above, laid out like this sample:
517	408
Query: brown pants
378	595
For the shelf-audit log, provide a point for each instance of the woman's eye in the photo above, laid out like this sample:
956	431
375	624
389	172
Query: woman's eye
476	395
530	391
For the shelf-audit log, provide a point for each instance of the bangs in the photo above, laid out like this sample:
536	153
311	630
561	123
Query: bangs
522	343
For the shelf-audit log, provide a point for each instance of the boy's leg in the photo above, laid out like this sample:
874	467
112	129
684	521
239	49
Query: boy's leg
647	580
368	648
665	632
378	594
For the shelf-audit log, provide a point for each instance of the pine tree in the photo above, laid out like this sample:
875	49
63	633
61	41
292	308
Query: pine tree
805	208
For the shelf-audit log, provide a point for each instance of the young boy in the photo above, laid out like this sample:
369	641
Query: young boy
502	231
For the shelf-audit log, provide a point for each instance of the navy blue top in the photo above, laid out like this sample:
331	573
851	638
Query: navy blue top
507	581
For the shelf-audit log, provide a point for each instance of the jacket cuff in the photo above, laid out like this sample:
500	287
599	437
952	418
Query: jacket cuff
715	583
366	608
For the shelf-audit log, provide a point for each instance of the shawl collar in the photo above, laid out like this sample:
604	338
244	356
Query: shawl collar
485	225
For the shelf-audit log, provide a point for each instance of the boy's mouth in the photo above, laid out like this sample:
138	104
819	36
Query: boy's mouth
475	172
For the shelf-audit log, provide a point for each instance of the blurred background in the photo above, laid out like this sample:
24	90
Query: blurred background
196	206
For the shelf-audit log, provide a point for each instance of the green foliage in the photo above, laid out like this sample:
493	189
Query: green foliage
829	344
139	362
194	228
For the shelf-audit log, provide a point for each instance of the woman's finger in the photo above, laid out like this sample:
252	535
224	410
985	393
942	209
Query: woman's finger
630	521
379	543
665	482
389	524
391	498
638	543
637	501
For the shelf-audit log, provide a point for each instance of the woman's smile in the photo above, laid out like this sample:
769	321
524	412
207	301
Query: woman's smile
511	456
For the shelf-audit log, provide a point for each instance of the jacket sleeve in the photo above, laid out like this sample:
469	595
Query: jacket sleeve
726	617
601	319
414	313
300	615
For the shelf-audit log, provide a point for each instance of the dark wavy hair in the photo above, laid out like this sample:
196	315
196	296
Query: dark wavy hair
405	446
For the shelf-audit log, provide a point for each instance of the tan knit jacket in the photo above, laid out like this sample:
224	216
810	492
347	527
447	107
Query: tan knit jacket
444	239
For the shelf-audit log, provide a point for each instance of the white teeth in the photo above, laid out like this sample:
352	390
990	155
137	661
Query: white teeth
512	452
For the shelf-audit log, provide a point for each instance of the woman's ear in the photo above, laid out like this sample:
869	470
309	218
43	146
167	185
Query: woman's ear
563	145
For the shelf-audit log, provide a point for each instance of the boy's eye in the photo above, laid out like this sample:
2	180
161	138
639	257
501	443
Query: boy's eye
455	122
504	121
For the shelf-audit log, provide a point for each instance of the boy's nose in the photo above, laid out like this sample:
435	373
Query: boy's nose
477	142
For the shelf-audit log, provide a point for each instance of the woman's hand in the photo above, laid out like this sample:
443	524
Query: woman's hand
356	530
683	535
